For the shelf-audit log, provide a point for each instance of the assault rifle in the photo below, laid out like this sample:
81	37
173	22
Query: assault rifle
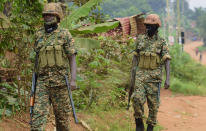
33	89
71	100
132	82
32	96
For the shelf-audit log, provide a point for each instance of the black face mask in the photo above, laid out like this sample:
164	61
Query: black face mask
50	28
151	29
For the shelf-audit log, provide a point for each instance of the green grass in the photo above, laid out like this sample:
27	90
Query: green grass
202	48
187	87
188	76
108	112
113	120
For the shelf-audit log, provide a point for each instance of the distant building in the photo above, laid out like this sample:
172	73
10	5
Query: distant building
129	26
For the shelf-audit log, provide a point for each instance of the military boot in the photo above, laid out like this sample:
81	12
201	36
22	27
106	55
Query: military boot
139	124
150	127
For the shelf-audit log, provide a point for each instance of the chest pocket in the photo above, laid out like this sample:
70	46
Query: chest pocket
150	57
59	56
42	57
50	56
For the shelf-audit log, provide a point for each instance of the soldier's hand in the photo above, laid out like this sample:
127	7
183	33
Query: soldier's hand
73	85
167	84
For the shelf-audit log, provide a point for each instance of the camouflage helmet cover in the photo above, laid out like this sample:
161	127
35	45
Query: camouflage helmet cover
153	19
53	9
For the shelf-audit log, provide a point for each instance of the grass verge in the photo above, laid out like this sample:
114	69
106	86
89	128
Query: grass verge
114	120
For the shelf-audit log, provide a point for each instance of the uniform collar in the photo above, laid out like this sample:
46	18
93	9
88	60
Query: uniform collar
154	37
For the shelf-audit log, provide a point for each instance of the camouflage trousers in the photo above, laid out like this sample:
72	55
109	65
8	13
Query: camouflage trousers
45	96
146	92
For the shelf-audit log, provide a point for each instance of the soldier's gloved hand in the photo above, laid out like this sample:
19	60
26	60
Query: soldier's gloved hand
167	84
73	85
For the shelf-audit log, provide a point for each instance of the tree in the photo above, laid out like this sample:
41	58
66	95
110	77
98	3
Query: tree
158	6
25	16
123	8
201	18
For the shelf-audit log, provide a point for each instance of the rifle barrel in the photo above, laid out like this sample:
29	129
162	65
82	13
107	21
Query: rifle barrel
71	100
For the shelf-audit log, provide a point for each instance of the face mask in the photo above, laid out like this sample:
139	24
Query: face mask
50	19
50	28
50	23
151	30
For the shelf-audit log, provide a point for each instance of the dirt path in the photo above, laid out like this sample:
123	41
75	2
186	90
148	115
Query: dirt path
190	49
182	113
177	113
21	123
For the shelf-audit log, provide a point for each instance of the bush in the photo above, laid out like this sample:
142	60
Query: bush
188	75
103	75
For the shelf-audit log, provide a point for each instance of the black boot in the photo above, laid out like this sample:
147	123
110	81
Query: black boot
139	124
150	127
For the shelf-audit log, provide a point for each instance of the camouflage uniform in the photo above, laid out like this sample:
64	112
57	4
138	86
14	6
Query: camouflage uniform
51	86
148	77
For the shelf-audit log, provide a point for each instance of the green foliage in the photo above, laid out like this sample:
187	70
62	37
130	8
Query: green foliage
8	95
2	5
103	78
97	28
25	17
158	6
188	12
184	67
4	21
113	120
5	63
80	12
85	44
201	18
80	2
123	8
202	48
187	87
188	74
103	68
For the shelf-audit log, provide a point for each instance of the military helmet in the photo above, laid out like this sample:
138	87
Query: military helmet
53	9
153	19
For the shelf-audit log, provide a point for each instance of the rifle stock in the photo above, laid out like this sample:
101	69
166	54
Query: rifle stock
32	96
33	88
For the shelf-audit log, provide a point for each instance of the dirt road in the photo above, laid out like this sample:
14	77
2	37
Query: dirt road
184	113
190	49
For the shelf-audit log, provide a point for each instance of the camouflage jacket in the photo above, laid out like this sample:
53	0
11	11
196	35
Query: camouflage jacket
156	45
54	75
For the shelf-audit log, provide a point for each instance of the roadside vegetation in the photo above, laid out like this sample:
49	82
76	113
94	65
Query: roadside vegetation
187	75
103	68
202	48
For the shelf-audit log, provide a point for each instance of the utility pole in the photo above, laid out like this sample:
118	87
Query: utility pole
178	21
168	19
165	28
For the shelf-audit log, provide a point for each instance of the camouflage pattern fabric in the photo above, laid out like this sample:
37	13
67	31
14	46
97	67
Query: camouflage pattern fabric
55	74
58	97
148	80
51	85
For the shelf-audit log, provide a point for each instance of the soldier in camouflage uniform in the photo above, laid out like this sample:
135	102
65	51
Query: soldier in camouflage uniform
55	53
151	54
